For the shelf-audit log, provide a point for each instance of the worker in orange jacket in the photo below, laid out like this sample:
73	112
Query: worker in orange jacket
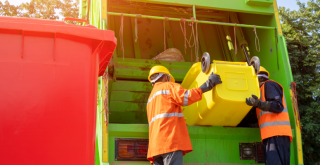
273	119
168	134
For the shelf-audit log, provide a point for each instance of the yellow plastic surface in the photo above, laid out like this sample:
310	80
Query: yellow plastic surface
225	104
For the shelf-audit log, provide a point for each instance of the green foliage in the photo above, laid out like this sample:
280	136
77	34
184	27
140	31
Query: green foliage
9	10
69	8
44	9
301	30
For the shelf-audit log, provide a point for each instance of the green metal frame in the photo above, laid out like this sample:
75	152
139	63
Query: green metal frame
139	69
99	127
225	5
189	20
207	143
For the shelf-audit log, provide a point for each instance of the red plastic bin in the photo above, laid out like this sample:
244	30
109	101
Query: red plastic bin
48	90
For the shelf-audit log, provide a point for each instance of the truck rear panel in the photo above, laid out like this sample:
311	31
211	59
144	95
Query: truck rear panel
128	87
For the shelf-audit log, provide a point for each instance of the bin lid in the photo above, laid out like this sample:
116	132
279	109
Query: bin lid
105	39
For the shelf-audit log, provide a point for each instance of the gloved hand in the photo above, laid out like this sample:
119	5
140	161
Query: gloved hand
254	101
213	80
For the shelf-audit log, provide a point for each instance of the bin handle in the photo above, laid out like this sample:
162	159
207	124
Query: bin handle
75	19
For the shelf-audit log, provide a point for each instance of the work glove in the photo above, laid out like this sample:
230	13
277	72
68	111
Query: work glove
213	80
254	101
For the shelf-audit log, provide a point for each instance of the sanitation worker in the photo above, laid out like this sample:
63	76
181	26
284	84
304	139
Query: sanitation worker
168	134
273	119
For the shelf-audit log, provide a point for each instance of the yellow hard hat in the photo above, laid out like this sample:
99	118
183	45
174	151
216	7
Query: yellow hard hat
262	69
160	69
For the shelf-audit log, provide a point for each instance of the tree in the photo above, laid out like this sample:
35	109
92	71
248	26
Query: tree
43	9
69	8
301	30
9	10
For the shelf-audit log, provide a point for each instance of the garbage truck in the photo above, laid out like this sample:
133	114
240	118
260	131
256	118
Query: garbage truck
232	31
73	94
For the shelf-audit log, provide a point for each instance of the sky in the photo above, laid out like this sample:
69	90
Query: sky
291	4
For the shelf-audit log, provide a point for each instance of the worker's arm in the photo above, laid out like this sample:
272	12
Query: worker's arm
184	97
213	80
273	94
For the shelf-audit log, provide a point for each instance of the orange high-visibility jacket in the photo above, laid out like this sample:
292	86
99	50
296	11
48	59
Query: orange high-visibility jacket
167	127
273	124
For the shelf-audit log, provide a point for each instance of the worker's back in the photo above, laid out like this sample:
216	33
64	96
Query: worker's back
167	129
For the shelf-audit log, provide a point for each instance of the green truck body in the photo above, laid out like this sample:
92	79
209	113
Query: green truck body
127	89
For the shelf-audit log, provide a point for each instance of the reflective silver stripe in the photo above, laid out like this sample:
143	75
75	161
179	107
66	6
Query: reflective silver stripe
154	80
266	124
263	75
265	112
185	99
165	115
162	92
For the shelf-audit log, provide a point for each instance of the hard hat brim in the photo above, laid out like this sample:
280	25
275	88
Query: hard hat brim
160	69
171	79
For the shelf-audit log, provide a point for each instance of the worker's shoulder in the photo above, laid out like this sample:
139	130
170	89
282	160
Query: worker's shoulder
170	85
166	85
272	84
174	85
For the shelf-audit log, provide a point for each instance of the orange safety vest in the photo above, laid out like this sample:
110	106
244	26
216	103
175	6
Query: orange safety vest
273	124
167	127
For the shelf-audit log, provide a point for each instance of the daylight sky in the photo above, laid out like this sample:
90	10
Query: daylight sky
292	4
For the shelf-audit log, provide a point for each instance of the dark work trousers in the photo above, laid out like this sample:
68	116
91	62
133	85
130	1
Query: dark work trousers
171	158
277	150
